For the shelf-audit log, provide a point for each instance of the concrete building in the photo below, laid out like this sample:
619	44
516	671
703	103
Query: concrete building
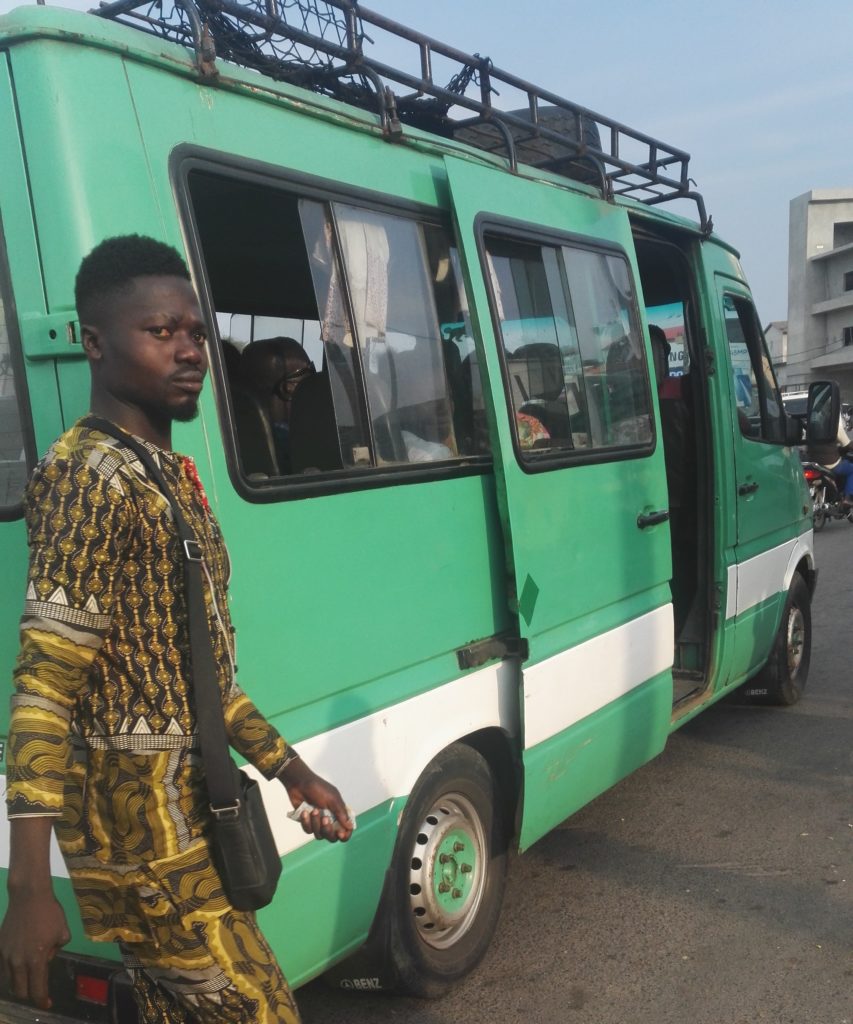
820	289
776	336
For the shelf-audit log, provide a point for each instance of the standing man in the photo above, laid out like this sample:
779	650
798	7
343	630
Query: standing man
103	743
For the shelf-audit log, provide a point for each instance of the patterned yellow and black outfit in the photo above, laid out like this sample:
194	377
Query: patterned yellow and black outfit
103	732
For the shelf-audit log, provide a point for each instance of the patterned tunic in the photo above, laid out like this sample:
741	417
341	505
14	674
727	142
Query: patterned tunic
103	731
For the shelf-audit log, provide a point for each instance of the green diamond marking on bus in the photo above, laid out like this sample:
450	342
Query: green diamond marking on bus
455	870
527	601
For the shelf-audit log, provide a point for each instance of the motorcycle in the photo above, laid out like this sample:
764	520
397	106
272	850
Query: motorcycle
826	497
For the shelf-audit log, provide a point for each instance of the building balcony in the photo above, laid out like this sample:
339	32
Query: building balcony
828	254
842	301
838	359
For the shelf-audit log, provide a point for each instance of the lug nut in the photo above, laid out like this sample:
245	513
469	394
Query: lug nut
443	887
457	894
458	847
465	868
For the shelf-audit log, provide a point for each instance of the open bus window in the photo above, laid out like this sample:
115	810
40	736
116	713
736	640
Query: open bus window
575	365
342	328
760	411
13	466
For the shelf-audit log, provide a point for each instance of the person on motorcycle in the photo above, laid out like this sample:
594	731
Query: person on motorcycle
831	457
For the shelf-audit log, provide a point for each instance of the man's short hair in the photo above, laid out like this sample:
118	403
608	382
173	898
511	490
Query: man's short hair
113	264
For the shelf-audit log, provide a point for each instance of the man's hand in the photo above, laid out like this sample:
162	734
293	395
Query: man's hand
34	927
304	785
32	931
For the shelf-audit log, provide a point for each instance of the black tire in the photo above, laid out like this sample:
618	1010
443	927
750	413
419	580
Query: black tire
437	917
819	512
783	678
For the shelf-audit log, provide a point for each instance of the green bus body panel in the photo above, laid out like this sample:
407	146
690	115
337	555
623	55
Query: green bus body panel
776	513
24	261
69	155
574	540
26	282
551	514
406	574
754	632
395	632
593	755
313	923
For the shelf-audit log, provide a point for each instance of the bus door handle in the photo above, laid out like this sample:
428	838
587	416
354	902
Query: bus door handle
747	488
503	645
652	518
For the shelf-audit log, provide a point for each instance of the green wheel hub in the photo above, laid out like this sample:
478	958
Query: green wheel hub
447	879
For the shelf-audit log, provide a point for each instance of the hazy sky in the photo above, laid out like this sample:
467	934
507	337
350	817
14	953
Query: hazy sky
759	92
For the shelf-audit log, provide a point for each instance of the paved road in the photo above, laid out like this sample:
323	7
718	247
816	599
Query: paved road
715	886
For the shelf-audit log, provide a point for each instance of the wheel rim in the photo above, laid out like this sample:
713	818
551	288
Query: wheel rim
447	876
796	639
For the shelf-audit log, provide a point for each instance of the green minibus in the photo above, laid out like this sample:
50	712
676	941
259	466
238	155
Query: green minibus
496	554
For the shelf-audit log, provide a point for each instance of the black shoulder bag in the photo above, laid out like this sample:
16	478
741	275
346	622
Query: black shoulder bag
242	842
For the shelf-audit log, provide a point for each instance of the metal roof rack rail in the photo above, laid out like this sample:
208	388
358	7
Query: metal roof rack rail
319	45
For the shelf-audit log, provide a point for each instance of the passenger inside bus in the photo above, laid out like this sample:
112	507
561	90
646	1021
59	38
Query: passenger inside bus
679	453
273	369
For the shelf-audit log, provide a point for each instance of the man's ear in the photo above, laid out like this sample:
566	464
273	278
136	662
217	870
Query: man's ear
91	342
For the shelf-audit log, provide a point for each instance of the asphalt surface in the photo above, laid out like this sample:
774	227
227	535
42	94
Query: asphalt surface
714	886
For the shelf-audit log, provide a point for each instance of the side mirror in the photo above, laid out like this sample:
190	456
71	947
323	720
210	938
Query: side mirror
824	412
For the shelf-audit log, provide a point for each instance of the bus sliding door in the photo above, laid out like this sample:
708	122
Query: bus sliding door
581	480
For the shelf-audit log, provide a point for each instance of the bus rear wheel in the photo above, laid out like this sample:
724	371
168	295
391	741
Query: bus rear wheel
446	885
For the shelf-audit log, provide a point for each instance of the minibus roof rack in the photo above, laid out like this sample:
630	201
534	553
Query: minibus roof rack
320	45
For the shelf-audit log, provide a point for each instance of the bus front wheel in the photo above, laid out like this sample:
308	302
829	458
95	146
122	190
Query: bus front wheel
447	880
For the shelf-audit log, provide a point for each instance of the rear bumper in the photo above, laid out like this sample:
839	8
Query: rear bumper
115	1003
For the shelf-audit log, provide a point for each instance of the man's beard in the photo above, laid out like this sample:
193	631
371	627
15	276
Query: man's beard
185	414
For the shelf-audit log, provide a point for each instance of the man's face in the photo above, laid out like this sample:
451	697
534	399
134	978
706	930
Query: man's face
148	349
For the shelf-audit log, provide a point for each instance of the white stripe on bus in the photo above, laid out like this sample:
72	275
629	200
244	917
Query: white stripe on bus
575	683
378	758
765	575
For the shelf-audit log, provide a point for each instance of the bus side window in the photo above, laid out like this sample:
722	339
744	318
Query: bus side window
13	463
404	295
363	324
575	364
760	411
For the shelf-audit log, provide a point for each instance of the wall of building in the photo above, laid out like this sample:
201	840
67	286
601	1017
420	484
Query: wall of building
776	336
820	253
